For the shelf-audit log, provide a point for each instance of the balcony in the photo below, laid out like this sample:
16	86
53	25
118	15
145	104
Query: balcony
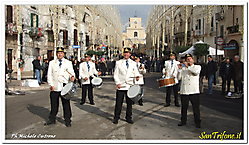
233	29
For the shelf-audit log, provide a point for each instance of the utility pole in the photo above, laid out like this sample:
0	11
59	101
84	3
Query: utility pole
19	30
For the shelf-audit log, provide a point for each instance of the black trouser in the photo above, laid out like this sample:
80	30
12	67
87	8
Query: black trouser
87	88
226	81
195	101
54	101
120	94
238	86
168	93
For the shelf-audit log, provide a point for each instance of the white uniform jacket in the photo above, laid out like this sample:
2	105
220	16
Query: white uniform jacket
125	76
171	70
190	79
142	72
83	72
57	75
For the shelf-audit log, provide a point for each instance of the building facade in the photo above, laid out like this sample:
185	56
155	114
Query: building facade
33	30
171	26
134	37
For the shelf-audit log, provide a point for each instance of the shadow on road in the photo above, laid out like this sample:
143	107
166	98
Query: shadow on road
94	110
41	112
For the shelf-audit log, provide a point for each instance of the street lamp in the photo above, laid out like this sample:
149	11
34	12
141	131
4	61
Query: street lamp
81	47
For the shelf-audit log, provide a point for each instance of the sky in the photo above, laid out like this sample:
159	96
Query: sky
127	11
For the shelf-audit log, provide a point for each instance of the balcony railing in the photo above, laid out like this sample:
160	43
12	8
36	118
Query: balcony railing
233	29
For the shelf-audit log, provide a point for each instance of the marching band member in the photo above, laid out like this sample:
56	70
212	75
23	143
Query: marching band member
141	70
124	74
60	71
86	74
171	71
189	90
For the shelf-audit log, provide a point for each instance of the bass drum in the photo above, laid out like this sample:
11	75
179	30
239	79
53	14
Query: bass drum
135	93
166	82
97	82
68	90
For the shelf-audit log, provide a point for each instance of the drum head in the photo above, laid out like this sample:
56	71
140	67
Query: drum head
134	91
96	81
66	88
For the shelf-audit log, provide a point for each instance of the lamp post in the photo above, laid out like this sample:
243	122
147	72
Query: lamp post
81	46
216	46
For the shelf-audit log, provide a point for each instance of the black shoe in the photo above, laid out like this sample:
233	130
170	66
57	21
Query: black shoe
49	123
181	124
177	105
198	125
68	124
92	103
129	121
166	105
115	121
141	104
81	103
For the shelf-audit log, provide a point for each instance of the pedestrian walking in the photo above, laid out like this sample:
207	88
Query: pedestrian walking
189	90
125	71
171	71
110	67
103	67
211	71
37	65
226	72
45	70
60	71
238	68
87	71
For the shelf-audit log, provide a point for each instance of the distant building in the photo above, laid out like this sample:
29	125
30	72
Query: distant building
134	37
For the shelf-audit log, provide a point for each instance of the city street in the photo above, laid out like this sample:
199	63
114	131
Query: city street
26	114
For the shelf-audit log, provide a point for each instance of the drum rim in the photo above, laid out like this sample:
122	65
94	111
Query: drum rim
62	92
134	96
98	83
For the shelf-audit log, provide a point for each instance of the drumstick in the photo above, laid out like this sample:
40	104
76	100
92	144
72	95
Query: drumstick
70	74
136	77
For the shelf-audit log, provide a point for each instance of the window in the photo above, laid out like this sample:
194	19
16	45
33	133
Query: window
212	22
65	37
75	37
50	36
135	34
9	14
199	24
34	20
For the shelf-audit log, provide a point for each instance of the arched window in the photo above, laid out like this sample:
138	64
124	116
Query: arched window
135	34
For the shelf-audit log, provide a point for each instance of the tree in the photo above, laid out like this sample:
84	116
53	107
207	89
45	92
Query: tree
201	49
180	49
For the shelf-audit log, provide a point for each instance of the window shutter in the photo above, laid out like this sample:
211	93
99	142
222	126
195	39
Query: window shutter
37	20
31	18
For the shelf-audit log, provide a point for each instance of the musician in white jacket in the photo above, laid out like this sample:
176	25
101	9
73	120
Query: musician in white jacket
87	72
124	75
171	71
142	71
189	90
60	72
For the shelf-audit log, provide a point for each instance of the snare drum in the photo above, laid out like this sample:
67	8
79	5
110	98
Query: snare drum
68	90
135	93
166	82
97	82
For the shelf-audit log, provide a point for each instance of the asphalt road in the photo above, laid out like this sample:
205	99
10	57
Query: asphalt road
26	114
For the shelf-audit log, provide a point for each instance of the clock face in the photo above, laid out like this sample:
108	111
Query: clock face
135	22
